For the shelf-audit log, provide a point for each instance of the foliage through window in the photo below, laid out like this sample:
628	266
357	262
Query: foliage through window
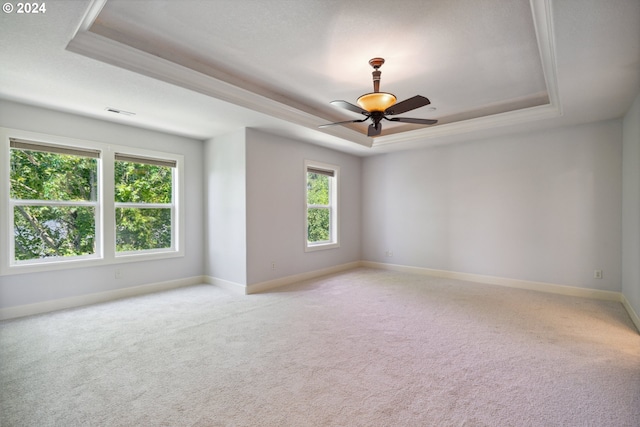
67	201
321	215
54	200
144	208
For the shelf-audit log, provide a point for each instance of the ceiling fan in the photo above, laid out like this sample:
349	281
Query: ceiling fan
378	105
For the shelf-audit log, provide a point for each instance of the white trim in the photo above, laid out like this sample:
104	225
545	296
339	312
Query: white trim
543	24
105	241
334	207
142	205
200	78
632	313
95	298
219	84
501	281
542	12
515	283
63	203
97	238
236	288
320	246
288	280
90	16
8	263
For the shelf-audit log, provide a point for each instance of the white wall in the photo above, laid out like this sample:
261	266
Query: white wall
225	202
21	289
276	182
542	207
631	206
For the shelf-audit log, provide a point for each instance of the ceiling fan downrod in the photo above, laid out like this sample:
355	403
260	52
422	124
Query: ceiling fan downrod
376	63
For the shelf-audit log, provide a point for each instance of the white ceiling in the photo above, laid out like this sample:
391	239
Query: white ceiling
205	68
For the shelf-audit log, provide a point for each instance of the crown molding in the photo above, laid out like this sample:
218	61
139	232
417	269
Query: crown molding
543	24
104	49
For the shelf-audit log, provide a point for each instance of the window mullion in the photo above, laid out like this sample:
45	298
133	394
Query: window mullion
99	162
129	205
107	198
21	202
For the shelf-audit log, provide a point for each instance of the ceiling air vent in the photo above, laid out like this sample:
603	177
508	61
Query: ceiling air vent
122	112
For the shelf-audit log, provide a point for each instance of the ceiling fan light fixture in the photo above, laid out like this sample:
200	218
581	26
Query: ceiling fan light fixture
376	106
376	101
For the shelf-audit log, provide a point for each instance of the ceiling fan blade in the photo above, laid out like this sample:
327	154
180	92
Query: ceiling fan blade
343	123
349	106
407	105
374	129
410	120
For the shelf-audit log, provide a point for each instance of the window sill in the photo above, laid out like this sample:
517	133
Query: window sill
320	246
65	264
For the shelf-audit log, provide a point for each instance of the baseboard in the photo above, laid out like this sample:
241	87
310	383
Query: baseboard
236	288
95	298
283	281
632	313
501	281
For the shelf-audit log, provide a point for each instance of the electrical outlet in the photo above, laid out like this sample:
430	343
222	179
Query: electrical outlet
388	254
597	274
273	265
118	274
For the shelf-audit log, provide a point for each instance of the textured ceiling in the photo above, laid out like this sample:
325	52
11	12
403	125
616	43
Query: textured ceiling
308	53
311	52
201	68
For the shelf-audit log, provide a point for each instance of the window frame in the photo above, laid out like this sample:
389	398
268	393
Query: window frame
334	206
31	145
126	157
105	252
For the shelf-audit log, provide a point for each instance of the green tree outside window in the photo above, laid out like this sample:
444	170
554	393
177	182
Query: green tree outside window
53	197
318	207
143	195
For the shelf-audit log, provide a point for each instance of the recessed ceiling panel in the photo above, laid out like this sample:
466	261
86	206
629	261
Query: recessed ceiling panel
471	59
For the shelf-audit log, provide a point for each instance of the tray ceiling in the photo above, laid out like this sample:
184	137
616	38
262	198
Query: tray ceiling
305	54
277	64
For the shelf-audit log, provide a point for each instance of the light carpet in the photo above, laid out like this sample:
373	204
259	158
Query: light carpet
361	348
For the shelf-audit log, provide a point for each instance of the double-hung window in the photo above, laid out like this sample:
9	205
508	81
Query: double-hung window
53	202
321	206
144	203
70	203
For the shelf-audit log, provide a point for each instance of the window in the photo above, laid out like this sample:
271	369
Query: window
71	203
321	202
53	201
143	203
